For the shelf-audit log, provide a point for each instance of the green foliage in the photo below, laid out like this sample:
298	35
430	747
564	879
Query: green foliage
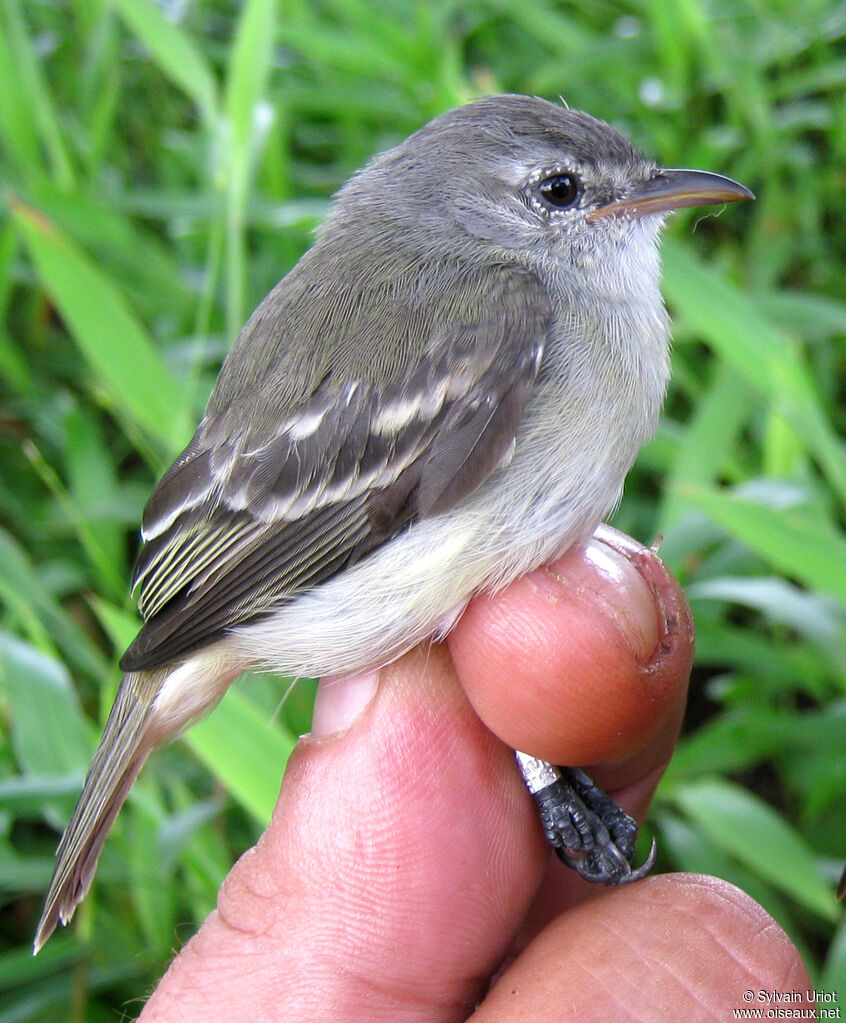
162	166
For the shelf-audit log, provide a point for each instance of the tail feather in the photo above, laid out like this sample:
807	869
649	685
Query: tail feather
120	756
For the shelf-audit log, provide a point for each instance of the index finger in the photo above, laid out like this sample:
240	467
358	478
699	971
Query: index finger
584	661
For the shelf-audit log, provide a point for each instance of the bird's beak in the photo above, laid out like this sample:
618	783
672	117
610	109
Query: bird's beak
672	189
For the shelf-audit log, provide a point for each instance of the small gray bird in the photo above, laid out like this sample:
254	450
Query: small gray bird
444	393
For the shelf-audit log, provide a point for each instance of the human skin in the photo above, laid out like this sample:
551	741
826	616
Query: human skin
404	876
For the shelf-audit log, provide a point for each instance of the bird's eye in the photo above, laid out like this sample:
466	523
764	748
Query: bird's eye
559	190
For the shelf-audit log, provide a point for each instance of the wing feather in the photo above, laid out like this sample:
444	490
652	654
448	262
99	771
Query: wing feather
257	508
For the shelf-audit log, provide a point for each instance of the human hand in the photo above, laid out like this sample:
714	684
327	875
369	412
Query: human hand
404	875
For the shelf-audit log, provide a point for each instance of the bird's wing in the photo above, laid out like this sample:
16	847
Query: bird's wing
254	512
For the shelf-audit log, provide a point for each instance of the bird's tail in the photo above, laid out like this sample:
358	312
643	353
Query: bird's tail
121	754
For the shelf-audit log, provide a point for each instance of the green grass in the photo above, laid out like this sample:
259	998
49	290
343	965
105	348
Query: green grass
162	166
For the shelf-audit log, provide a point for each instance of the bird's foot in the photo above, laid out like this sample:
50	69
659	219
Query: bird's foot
585	827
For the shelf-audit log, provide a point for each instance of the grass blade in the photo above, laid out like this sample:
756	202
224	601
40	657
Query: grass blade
749	343
48	730
106	330
797	545
39	102
708	443
174	53
246	81
245	751
752	831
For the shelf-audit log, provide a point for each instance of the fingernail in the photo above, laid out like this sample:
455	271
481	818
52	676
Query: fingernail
340	701
631	603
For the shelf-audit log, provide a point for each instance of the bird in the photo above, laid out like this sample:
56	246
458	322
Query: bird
445	392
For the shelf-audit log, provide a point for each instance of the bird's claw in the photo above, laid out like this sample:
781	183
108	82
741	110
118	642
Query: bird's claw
587	829
609	867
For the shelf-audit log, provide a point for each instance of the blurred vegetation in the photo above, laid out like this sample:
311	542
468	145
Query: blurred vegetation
162	165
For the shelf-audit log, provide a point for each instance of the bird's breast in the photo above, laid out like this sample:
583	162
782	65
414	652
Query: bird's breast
597	400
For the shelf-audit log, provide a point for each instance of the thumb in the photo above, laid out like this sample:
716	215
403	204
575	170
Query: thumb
402	849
